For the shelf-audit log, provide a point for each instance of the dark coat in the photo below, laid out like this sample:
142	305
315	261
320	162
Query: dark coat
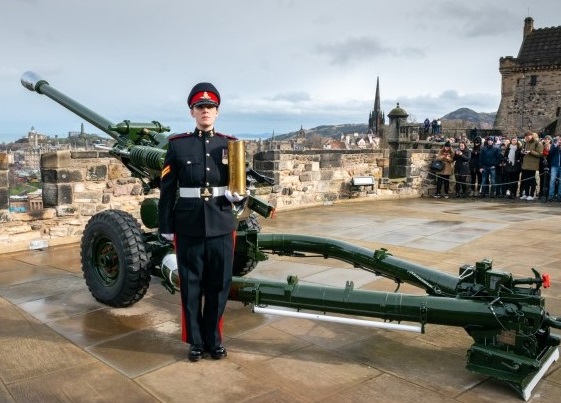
474	161
195	160
554	156
461	165
489	156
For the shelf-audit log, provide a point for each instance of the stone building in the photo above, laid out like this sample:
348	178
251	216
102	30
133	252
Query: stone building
531	83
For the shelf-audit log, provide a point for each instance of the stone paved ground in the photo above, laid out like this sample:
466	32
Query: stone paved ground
58	344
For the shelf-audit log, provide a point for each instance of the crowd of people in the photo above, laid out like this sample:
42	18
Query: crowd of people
434	127
500	167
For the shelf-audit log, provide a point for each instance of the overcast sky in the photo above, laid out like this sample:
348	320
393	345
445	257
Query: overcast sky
279	64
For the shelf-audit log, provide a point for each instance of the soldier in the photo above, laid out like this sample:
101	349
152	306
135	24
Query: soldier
195	212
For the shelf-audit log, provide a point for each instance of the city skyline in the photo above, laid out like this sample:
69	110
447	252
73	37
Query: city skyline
284	65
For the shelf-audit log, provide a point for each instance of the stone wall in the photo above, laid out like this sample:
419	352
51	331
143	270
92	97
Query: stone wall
78	184
530	98
4	194
313	177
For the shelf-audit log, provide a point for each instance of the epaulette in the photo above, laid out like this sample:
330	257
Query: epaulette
179	136
226	136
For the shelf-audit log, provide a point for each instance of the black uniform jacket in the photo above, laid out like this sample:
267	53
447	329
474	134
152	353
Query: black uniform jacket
195	160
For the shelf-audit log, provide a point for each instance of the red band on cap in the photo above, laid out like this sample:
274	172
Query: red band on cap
207	96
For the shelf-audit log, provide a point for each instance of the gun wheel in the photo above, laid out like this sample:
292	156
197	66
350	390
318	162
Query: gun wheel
114	259
243	264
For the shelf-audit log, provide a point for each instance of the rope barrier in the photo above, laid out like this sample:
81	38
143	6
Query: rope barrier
469	183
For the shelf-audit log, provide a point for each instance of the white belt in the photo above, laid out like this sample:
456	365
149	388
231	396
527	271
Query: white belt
202	192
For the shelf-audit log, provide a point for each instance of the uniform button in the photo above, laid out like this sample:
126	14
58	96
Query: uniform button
200	134
207	154
208	169
208	141
207	184
206	199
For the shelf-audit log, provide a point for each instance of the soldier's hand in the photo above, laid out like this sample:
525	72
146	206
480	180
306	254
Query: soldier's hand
169	237
233	197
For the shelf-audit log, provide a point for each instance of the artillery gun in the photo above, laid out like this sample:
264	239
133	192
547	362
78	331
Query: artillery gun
505	316
118	257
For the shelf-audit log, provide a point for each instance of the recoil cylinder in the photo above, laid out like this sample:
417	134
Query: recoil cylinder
150	157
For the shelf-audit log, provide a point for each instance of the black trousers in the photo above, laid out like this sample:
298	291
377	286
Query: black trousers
528	182
462	183
512	179
205	270
476	178
442	180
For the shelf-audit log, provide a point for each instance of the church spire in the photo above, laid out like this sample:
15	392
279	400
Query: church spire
377	99
374	119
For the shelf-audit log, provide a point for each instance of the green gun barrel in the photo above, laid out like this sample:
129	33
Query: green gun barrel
34	82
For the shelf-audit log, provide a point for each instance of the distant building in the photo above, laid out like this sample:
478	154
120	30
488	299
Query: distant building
531	84
376	118
34	138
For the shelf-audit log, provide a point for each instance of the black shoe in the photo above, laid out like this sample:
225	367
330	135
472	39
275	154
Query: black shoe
218	352
196	352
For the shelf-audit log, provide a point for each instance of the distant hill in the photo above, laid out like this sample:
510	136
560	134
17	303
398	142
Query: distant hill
463	117
330	131
482	120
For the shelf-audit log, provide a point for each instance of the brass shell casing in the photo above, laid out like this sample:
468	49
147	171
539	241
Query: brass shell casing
236	167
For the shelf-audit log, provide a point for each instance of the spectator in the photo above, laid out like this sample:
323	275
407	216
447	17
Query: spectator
443	177
462	158
427	125
474	166
554	160
489	158
513	154
544	168
434	127
438	126
532	152
501	173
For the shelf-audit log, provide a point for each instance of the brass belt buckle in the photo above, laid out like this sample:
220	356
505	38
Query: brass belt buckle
206	192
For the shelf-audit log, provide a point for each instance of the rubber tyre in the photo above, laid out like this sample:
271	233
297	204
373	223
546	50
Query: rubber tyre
244	264
114	259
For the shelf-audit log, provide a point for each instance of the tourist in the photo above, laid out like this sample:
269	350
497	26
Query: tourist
532	152
443	177
544	173
513	154
501	187
474	166
462	157
554	161
489	158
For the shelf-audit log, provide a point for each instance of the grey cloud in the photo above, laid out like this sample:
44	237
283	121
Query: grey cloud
296	96
364	48
477	21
